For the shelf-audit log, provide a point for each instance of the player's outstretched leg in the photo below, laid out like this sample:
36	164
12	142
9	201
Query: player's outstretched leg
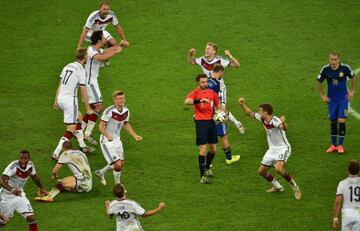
66	137
100	174
80	138
333	134
237	123
276	186
280	169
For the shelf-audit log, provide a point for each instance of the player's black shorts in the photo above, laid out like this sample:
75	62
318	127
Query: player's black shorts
206	132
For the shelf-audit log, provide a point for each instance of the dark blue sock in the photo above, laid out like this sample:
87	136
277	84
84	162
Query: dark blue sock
334	132
201	165
209	158
227	152
342	130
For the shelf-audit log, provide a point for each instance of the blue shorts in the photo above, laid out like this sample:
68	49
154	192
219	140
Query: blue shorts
205	132
338	109
221	129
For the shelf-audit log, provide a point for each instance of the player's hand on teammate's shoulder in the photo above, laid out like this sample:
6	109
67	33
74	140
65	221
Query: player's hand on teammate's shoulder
162	205
241	100
192	51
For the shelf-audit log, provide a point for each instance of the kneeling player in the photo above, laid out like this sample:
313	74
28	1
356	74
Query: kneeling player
112	121
348	193
78	164
279	147
12	196
127	211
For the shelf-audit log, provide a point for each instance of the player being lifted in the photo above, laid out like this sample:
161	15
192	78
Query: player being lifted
98	21
279	148
80	181
336	74
204	100
348	193
12	195
207	63
220	88
71	78
96	55
112	121
127	211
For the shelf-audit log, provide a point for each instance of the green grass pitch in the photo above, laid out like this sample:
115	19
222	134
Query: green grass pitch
281	46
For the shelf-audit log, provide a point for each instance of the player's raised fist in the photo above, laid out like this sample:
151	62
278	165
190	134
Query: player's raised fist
227	53
241	101
162	205
192	51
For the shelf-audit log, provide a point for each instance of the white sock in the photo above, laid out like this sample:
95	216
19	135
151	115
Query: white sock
83	125
89	128
293	183
276	183
117	176
106	169
59	146
233	119
80	137
54	191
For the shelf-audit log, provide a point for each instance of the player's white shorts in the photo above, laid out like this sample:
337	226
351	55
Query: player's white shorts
94	93
106	35
273	155
350	219
70	108
83	185
10	203
112	151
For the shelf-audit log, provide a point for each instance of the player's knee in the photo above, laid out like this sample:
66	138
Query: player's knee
280	169
93	106
30	218
100	108
261	172
118	166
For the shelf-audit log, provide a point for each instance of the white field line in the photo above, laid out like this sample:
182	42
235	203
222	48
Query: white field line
351	110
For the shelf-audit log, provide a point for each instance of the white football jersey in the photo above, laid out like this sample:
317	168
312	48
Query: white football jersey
276	137
126	212
208	66
17	175
77	162
72	75
350	190
115	119
92	66
222	92
95	22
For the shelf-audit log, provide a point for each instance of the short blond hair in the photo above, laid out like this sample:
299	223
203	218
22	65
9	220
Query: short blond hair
81	53
117	93
213	45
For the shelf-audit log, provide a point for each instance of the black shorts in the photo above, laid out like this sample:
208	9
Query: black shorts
206	132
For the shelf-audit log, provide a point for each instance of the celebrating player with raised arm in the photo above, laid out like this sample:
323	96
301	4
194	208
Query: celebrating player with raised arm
80	181
348	193
204	100
279	148
207	63
12	195
71	78
338	97
98	21
127	211
112	121
96	55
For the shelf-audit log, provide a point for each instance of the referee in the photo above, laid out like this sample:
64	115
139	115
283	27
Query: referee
204	101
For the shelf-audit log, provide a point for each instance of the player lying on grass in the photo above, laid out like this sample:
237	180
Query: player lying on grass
112	121
207	63
127	211
279	148
81	181
12	195
95	55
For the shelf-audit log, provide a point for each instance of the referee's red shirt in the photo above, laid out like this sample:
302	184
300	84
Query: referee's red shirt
204	111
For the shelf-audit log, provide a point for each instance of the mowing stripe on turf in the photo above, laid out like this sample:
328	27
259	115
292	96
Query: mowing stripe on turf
351	110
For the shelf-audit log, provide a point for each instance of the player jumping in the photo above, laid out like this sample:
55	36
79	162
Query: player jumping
279	148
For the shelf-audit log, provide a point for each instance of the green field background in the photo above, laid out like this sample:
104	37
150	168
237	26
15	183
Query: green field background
281	46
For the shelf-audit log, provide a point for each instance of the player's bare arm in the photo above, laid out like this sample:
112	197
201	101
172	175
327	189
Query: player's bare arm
85	99
121	33
351	93
246	109
191	56
283	125
131	131
107	205
337	205
234	62
190	101
102	129
55	171
4	183
154	211
320	88
108	53
56	104
37	181
82	37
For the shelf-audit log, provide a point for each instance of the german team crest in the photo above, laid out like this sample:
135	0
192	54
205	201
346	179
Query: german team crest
341	74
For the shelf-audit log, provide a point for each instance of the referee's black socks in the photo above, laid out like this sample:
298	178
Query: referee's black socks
201	165
209	158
